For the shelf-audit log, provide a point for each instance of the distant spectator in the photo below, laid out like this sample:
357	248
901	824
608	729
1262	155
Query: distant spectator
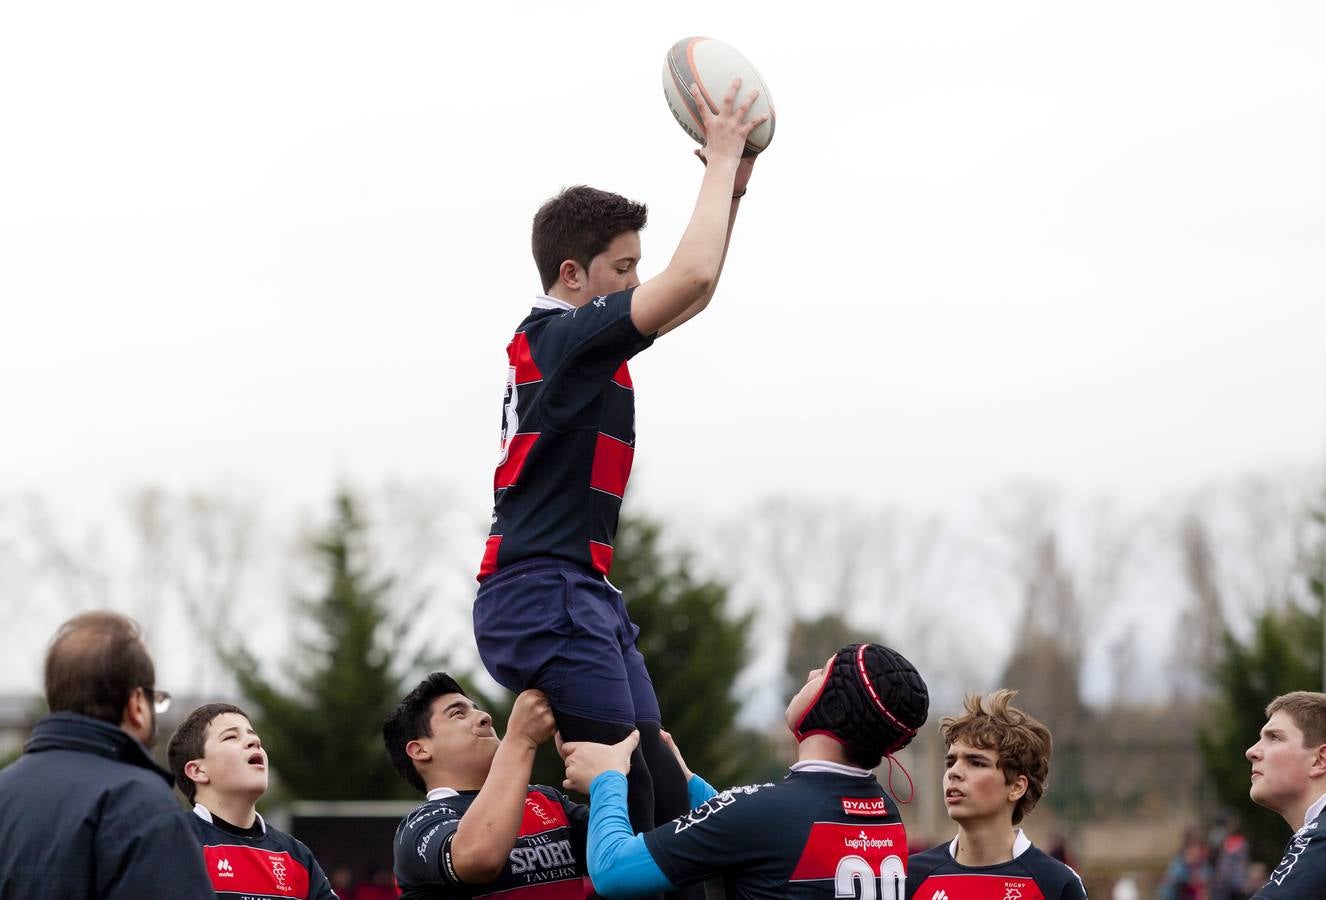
379	886
1229	862
1059	850
85	812
342	879
1187	877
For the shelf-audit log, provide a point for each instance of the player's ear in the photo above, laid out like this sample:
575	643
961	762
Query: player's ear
1017	788
194	771
571	275
1319	762
418	752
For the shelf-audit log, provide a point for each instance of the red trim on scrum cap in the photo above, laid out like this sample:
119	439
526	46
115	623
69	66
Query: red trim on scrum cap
796	731
870	689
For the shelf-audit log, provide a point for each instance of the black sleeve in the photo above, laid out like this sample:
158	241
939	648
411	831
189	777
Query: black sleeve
580	350
423	847
1073	889
729	831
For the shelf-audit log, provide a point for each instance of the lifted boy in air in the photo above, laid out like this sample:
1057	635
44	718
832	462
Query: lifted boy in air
221	767
996	765
546	616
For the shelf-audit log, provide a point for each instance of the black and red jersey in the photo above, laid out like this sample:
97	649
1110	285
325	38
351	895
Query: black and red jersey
1030	875
825	831
260	865
546	862
568	434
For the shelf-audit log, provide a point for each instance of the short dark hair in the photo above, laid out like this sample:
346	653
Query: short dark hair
94	664
188	741
409	720
1022	744
579	224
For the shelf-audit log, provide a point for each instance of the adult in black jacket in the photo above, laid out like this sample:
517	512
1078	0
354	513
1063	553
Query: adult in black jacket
85	813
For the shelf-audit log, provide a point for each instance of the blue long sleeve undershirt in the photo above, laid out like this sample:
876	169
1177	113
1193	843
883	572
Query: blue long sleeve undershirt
620	865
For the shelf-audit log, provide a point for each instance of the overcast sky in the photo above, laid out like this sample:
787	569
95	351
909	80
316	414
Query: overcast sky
287	242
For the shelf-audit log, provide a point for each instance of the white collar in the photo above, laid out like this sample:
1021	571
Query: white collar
205	814
1314	810
1021	844
823	765
543	301
442	793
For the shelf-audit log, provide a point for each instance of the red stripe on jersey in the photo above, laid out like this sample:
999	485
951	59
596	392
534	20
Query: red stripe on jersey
623	376
829	844
489	564
980	887
251	870
612	465
517	449
601	556
517	352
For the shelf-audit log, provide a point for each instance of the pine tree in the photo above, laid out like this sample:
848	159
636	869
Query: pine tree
323	734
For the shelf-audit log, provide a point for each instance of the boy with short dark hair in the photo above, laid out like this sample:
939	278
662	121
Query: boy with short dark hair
996	765
483	830
1289	777
221	767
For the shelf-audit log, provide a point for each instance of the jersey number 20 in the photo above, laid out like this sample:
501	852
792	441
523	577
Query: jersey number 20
854	871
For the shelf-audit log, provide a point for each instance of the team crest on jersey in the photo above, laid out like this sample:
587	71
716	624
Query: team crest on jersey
870	806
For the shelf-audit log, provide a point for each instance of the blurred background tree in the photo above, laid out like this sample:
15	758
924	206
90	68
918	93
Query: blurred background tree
324	730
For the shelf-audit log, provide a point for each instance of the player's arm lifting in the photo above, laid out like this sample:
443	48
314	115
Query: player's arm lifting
744	169
488	830
620	865
692	273
698	790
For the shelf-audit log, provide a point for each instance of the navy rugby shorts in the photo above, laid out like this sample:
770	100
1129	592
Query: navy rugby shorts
561	628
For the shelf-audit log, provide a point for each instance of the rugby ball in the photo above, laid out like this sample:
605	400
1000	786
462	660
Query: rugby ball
712	65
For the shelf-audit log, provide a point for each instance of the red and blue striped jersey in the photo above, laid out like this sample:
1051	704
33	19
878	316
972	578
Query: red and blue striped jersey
568	434
1030	875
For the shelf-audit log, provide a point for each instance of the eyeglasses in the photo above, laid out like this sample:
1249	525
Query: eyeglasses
160	699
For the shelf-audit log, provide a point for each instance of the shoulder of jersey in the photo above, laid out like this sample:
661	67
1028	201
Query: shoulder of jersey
1061	872
927	861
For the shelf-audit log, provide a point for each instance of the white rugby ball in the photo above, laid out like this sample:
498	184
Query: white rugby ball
712	65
